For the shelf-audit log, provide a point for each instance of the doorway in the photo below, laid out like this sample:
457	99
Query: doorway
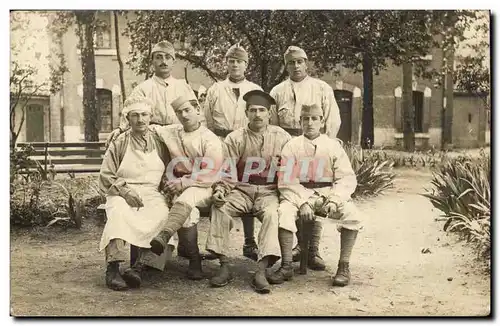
35	123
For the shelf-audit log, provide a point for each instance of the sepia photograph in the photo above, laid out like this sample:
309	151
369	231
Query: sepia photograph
244	163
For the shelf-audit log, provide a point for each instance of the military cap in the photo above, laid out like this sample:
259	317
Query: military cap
310	110
180	101
238	52
258	97
164	46
293	53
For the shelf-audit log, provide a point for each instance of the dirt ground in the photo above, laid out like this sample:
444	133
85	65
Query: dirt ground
61	273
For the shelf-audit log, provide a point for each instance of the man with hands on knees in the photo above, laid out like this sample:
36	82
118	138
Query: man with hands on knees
251	189
321	183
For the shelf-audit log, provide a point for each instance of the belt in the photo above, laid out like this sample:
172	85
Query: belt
260	181
222	132
312	185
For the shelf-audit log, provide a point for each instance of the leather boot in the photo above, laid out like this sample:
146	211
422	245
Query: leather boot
284	273
315	261
223	277
159	243
188	237
133	275
343	275
194	270
260	283
114	280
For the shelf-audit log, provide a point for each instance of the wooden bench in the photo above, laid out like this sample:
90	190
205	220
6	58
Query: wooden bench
75	157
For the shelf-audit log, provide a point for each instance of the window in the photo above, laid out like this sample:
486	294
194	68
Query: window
102	39
418	104
105	109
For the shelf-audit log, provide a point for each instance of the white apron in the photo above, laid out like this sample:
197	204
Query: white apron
142	172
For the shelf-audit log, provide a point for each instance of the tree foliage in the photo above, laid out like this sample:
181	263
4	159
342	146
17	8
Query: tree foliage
472	72
203	38
473	76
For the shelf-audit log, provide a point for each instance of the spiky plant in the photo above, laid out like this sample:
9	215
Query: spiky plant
461	190
373	172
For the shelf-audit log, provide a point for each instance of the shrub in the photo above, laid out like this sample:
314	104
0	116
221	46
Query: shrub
461	190
373	172
45	203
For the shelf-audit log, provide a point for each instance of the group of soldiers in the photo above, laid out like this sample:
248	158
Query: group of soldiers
154	188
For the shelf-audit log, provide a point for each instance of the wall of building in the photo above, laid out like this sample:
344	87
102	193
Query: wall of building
387	101
469	121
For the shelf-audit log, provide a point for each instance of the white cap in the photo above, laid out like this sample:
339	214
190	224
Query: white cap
137	104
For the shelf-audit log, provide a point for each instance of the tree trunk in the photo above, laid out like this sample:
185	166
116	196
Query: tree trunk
448	93
367	136
119	57
86	20
408	109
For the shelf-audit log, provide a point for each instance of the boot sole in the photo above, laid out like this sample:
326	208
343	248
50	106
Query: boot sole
157	247
317	268
264	290
194	277
117	287
219	285
280	281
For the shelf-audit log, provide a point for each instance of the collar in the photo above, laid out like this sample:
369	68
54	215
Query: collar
168	81
231	83
236	82
190	132
316	140
300	82
256	133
